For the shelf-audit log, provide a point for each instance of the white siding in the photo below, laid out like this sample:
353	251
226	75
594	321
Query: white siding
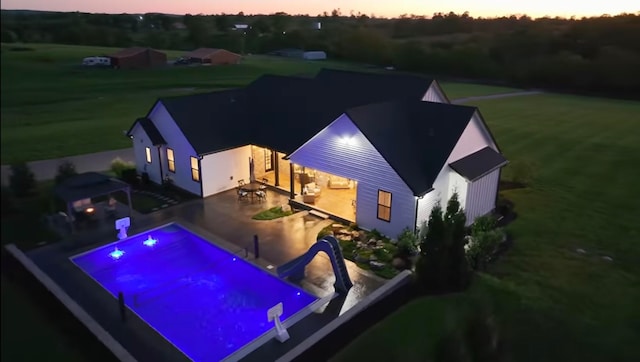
457	184
221	171
474	138
434	94
182	150
341	149
140	142
481	196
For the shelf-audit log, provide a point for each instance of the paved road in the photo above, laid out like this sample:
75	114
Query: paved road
495	96
47	169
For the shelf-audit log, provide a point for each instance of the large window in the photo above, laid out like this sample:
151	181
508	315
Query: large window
384	205
195	169
268	160
171	160
148	153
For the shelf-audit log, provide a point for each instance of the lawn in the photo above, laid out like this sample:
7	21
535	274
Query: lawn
52	107
553	303
272	214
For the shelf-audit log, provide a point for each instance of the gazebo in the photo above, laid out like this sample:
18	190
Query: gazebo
87	185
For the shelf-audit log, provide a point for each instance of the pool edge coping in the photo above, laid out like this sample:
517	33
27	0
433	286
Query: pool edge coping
101	334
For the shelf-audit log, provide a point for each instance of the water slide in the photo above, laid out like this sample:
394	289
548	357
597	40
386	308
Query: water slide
294	269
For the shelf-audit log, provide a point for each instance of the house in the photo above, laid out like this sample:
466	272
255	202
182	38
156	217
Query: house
314	55
137	57
376	149
212	56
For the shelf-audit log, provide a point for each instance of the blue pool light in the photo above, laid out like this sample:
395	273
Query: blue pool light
298	293
234	259
116	254
150	241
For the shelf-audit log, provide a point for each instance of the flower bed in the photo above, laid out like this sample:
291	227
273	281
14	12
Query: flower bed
370	250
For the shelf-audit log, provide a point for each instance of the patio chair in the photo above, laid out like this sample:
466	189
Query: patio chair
241	182
265	181
262	196
110	208
242	194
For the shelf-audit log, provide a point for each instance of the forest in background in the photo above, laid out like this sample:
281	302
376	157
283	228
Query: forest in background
597	55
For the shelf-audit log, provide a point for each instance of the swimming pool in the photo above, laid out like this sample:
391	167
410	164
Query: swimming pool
208	302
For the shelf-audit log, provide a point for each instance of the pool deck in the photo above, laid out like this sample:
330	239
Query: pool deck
226	222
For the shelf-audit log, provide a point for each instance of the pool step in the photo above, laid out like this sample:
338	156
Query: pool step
318	214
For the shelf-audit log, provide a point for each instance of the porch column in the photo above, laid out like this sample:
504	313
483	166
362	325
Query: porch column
276	167
71	219
292	193
129	201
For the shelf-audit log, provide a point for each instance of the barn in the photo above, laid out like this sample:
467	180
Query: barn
212	56
138	57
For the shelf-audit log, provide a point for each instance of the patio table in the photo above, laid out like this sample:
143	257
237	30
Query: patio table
251	188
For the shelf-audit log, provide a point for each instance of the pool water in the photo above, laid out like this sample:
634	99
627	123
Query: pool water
205	300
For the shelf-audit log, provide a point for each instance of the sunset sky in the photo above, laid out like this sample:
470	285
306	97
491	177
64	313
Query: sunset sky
387	8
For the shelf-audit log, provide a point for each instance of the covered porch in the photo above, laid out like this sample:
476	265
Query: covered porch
329	194
79	194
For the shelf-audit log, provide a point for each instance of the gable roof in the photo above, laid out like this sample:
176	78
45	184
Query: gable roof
284	112
414	137
478	164
150	129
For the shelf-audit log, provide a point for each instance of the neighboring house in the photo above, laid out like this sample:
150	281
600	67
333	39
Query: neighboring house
136	57
212	56
288	52
376	149
314	55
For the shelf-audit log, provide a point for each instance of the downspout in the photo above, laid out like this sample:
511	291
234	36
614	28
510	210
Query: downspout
415	219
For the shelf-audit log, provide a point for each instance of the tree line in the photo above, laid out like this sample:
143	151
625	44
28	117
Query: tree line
597	54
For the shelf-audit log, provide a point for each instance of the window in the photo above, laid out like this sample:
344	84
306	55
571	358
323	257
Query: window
148	153
170	160
195	169
268	160
384	205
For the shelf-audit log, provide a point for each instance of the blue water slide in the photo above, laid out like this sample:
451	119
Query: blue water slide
294	269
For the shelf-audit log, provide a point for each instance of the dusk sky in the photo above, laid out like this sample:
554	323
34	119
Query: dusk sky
388	8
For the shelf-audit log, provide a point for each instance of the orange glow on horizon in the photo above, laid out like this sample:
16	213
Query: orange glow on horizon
488	8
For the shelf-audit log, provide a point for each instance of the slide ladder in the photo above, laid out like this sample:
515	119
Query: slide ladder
294	269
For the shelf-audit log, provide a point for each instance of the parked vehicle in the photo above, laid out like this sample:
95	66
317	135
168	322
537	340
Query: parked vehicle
96	61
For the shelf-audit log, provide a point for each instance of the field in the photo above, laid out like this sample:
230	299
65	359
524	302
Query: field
553	303
52	107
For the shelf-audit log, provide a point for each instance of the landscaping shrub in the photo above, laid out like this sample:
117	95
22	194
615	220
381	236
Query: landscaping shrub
483	241
443	265
130	176
118	166
66	170
22	181
8	204
407	241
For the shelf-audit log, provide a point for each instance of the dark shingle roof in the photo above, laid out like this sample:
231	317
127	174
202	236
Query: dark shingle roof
283	112
414	137
478	164
150	129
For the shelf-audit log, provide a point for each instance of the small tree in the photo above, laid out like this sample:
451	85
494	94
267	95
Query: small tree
455	221
432	260
66	170
22	180
442	265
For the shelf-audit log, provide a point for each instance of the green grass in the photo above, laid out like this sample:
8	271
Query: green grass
463	90
553	303
52	107
272	213
28	334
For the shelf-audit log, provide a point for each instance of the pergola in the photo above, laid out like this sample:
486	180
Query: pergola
89	185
